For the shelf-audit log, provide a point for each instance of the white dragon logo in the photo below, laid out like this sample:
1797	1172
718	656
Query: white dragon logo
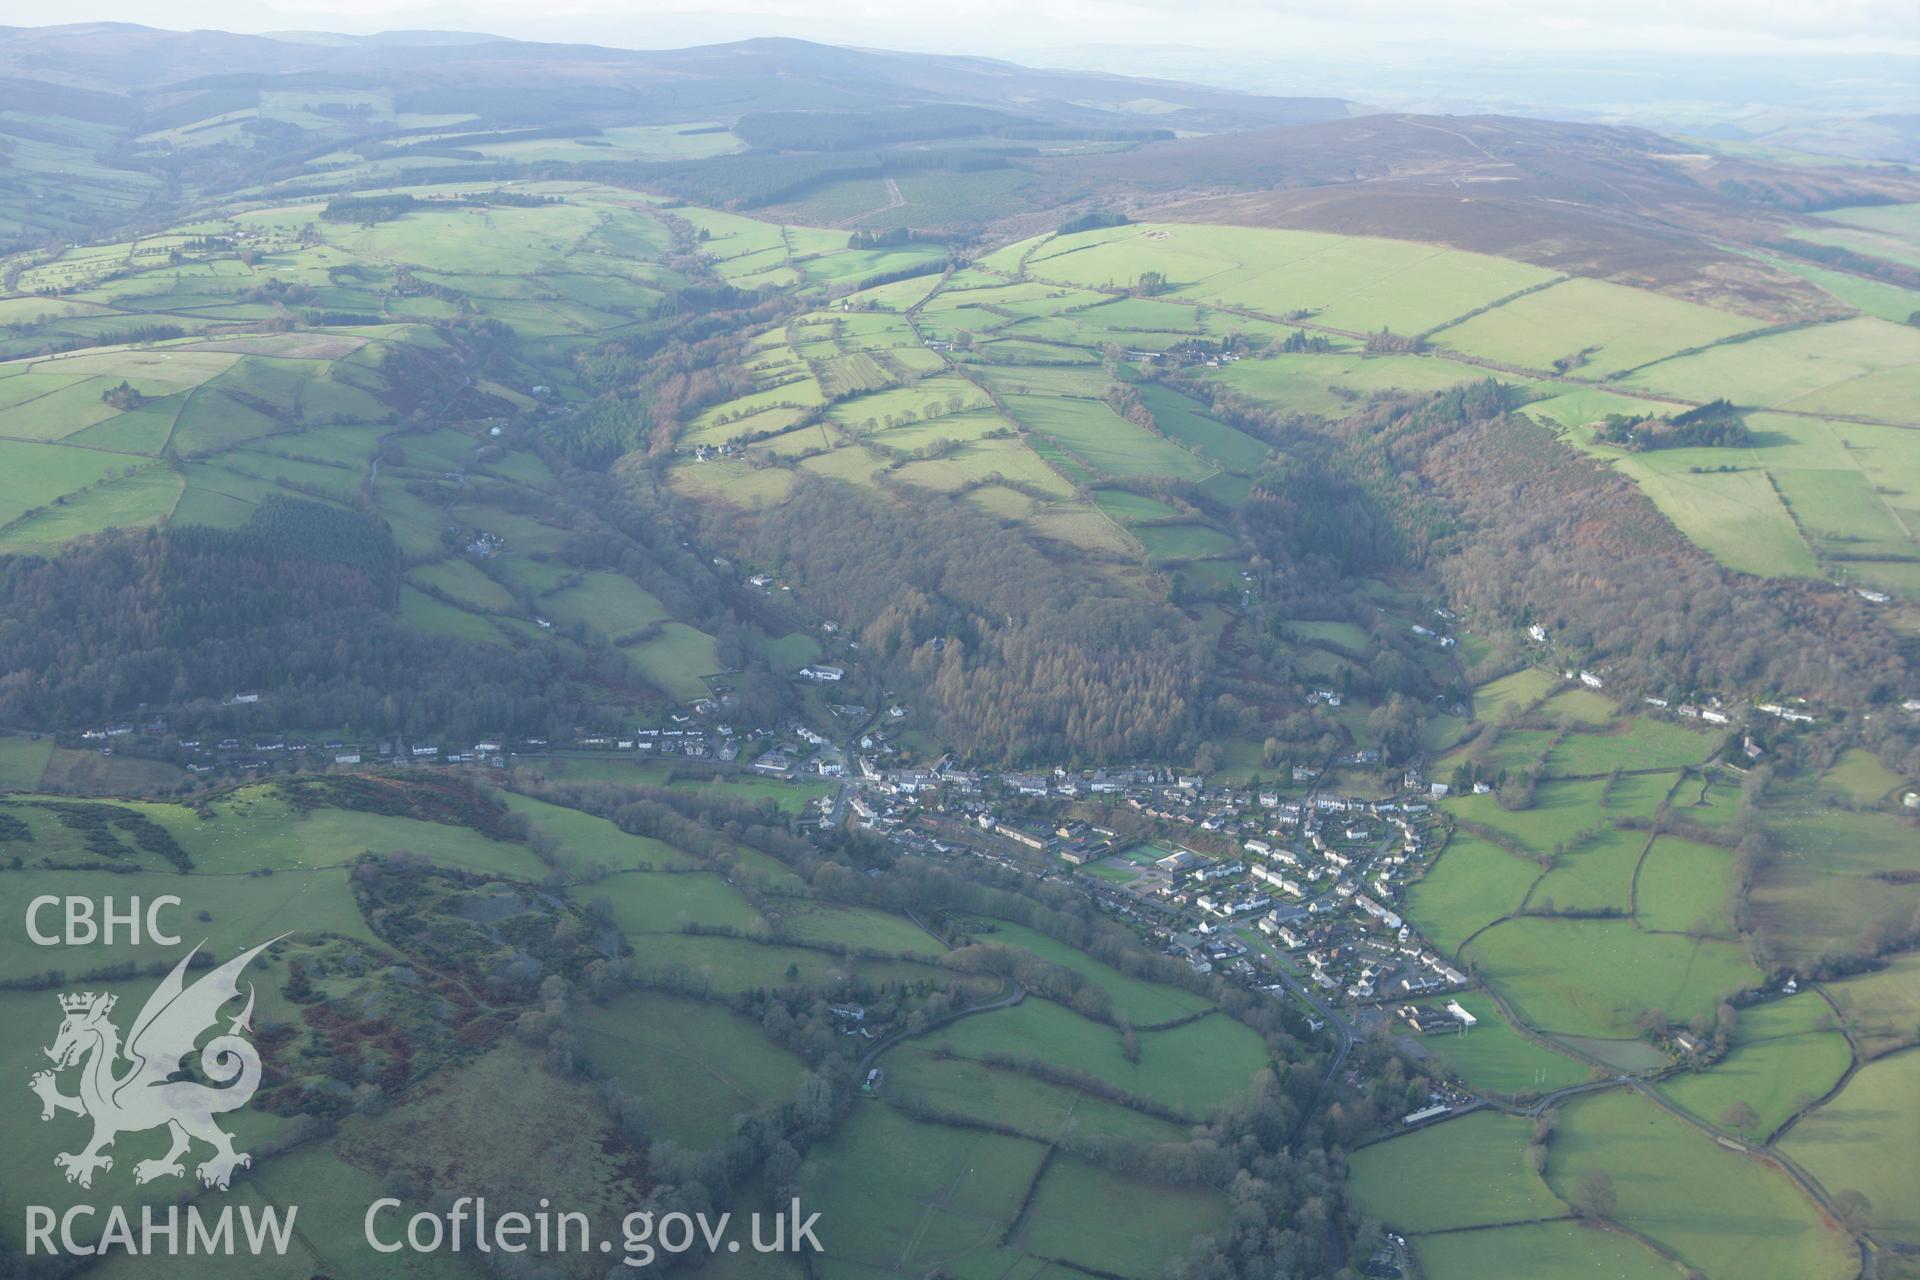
150	1094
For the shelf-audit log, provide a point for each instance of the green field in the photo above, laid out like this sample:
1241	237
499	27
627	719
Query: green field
905	1193
661	902
1640	742
1474	883
1882	1008
1460	1173
1682	888
1141	1002
695	1065
1349	282
1862	1140
1191	1069
1111	1224
1036	1107
1785	1054
1727	1214
1863	366
1510	695
1560	809
1600	329
1597	977
1837	880
1540	1251
1597	875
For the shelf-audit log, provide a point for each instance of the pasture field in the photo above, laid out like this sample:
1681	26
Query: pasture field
1592	875
729	966
33	474
1570	1250
1110	1224
861	928
1581	707
666	902
1863	366
57	493
333	1195
1640	795
587	843
90	773
254	829
1682	888
1143	1003
1473	883
677	660
1727	1214
1882	1008
425	613
1107	443
260	866
1335	385
697	1065
1638	742
1862	1140
1036	1107
1711	801
1597	329
1356	283
1493	1056
23	759
906	1194
1785	1054
1735	516
1834	880
1183	420
1511	695
1808	487
1597	977
1560	809
1016	457
1562	408
1183	541
1860	776
607	602
790	795
1515	750
1346	635
1467	1172
464	581
1190	1069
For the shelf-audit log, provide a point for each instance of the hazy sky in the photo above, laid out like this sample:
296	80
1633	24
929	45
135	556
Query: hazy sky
1011	26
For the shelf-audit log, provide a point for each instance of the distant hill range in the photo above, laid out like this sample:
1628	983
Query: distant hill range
124	128
162	69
